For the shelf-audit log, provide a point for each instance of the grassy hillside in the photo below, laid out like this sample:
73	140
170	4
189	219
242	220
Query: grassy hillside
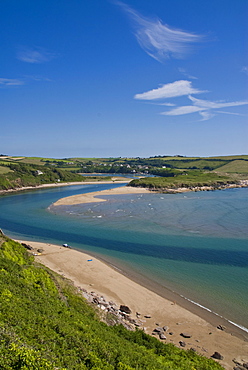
189	179
21	175
183	171
236	166
129	165
46	325
18	175
4	169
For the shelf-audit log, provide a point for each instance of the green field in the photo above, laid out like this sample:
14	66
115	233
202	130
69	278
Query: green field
196	170
236	166
178	162
231	157
191	179
4	170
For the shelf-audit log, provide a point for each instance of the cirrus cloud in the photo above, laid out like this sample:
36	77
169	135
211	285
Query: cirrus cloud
215	105
157	39
10	82
205	108
170	90
34	55
183	110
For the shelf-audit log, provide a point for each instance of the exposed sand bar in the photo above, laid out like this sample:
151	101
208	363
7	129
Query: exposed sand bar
95	196
95	275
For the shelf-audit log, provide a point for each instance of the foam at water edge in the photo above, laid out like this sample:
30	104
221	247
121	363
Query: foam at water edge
207	309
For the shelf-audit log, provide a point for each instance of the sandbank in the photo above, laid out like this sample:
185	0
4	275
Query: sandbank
92	274
95	196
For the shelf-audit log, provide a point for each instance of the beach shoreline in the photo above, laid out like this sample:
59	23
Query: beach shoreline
166	308
116	180
58	184
95	197
204	312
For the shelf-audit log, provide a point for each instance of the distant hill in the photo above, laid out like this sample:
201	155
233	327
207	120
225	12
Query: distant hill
17	172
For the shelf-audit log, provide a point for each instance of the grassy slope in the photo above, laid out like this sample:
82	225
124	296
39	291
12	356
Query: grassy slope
4	170
26	175
46	324
193	179
231	157
20	175
237	166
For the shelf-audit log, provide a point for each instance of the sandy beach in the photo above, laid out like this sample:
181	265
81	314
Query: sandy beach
163	307
58	184
92	274
96	196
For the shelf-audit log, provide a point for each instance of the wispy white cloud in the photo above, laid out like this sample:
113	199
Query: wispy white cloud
10	82
206	115
34	55
186	74
215	105
171	90
168	104
157	39
206	108
186	109
232	113
37	78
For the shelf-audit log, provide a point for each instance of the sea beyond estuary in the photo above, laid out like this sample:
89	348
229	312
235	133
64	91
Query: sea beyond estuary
195	244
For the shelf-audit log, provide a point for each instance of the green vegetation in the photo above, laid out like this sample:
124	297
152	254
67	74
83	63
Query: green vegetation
182	171
29	175
18	175
236	166
45	324
4	169
189	179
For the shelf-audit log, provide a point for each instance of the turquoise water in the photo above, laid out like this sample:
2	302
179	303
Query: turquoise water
195	244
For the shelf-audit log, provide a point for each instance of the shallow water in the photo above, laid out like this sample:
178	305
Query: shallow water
194	243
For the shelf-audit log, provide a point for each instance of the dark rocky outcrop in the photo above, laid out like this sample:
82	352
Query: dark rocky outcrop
217	356
27	246
125	309
158	330
186	335
162	336
240	365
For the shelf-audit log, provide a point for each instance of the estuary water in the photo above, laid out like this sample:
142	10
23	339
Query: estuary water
195	244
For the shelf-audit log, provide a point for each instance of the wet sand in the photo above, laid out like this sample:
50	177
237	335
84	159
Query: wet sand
138	293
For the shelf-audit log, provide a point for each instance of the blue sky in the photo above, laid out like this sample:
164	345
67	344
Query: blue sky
105	78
